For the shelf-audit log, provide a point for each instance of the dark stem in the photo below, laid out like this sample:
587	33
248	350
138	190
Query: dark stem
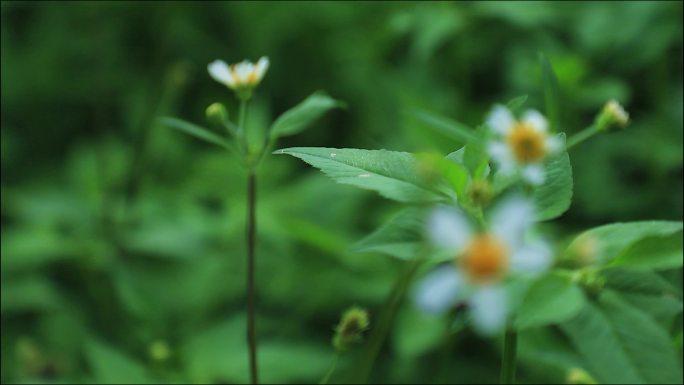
508	360
251	318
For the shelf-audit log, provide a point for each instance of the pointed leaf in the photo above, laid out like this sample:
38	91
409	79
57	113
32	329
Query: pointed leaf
554	196
395	175
400	237
301	116
446	126
196	131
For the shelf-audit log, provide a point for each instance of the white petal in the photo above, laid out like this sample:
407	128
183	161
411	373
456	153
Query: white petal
447	227
532	258
511	219
534	174
500	120
489	309
536	120
439	290
219	71
242	71
554	144
261	67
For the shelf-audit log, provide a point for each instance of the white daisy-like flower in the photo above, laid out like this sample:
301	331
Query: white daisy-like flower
243	75
482	261
521	145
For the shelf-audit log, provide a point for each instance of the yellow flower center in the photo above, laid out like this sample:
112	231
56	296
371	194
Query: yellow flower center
527	144
485	259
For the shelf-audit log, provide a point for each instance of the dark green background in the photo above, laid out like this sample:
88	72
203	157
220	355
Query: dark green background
119	234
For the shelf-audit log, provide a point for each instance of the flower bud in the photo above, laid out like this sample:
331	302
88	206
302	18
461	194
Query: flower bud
612	115
353	323
159	350
480	192
216	113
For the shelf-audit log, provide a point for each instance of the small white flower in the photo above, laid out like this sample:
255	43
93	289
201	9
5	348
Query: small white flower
616	113
521	145
482	261
243	75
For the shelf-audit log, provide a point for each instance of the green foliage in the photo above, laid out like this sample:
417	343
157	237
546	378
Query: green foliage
551	299
554	196
395	175
300	117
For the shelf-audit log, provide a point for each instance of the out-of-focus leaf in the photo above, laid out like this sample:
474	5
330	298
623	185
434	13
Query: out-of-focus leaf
551	92
31	293
416	333
516	103
400	237
395	175
196	131
554	196
621	344
110	366
551	299
451	128
644	245
301	116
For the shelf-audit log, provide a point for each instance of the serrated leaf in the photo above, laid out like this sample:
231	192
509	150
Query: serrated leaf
620	244
621	344
554	196
395	175
301	116
196	131
446	126
551	299
400	237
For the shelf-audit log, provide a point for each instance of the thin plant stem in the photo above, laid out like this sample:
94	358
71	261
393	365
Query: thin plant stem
331	370
508	360
385	318
582	136
251	243
251	295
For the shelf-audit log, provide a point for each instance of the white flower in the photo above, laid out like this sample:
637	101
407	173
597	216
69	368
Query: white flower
616	113
238	76
482	261
521	145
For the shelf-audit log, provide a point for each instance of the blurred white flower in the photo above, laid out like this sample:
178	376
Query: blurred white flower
521	145
243	75
482	261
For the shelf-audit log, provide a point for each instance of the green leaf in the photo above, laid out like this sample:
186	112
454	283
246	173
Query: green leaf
446	126
395	175
643	245
475	156
625	280
516	103
111	366
196	131
301	116
400	237
551	299
551	92
554	196
621	344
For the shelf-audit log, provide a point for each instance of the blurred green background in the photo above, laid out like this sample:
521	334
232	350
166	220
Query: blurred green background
122	240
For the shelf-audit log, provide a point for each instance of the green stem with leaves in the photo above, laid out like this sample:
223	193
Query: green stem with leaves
508	360
582	136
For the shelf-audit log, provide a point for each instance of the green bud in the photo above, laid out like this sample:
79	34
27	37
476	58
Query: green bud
579	376
216	113
353	323
480	192
612	115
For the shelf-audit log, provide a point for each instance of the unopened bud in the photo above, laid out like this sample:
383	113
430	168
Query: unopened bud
216	113
612	115
159	350
353	323
480	192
